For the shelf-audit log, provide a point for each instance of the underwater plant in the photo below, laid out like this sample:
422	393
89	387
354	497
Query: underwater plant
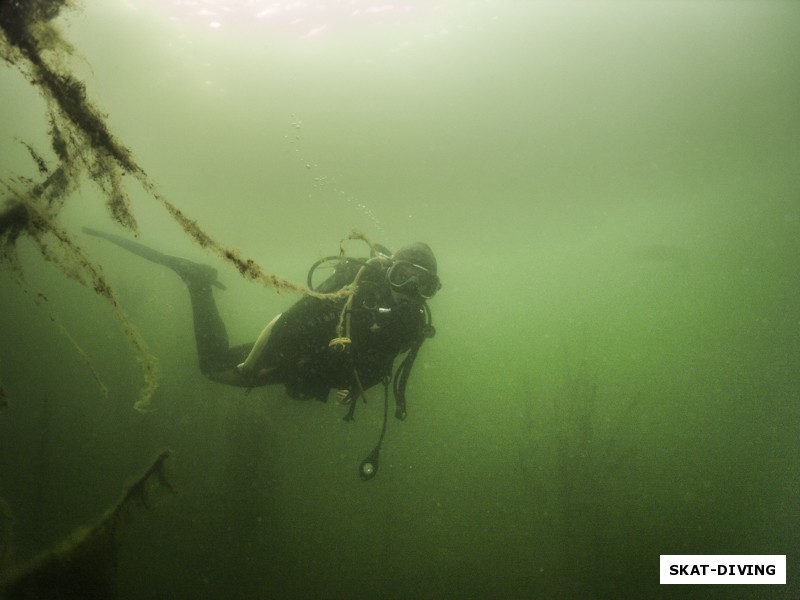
582	446
575	454
85	564
84	147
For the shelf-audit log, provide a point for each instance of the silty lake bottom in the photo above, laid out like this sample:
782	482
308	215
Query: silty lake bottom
612	193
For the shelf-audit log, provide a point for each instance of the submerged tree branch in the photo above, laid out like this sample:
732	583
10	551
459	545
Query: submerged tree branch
85	564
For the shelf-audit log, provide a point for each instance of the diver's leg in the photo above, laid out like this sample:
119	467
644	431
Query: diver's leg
217	360
210	334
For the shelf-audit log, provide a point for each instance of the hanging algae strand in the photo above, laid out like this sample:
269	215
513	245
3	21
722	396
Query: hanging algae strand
248	268
83	144
111	158
74	263
78	131
77	128
26	25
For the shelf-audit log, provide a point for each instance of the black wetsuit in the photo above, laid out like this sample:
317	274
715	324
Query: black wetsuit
298	353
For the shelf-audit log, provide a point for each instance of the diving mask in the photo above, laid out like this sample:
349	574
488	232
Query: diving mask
403	273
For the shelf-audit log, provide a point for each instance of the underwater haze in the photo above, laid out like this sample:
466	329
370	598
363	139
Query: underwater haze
612	191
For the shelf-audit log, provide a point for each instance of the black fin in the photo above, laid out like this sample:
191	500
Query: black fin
183	267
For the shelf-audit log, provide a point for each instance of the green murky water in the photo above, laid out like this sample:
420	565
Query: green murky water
612	191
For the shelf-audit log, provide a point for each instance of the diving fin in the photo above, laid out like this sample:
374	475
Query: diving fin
190	272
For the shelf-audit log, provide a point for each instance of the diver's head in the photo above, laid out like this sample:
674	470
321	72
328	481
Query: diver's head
412	274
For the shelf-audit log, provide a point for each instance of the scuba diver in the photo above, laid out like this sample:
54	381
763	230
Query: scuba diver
346	336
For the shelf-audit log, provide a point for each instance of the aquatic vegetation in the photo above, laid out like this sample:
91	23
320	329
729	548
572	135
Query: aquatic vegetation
84	147
85	564
574	454
57	246
582	446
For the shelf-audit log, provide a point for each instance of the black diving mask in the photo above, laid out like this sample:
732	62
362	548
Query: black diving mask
403	273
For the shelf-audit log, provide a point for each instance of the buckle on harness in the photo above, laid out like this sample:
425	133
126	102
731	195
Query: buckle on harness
340	343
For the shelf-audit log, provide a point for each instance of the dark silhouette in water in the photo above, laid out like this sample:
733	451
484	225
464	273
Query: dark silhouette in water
573	458
84	565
